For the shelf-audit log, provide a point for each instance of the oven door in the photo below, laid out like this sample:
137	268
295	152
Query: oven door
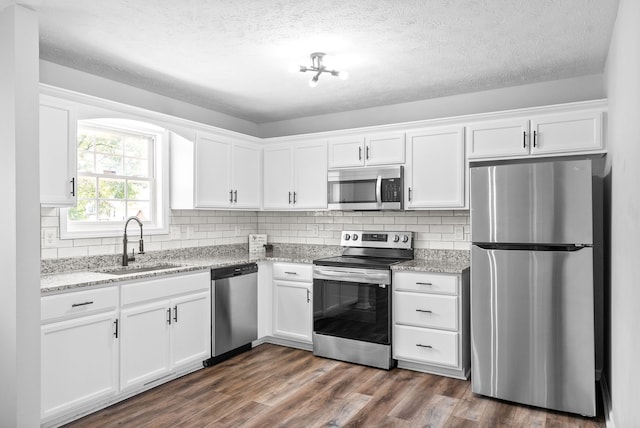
352	305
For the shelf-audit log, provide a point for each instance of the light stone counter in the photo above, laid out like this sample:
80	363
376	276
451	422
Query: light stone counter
77	273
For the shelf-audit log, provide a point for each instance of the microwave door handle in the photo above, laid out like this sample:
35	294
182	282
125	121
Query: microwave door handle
379	190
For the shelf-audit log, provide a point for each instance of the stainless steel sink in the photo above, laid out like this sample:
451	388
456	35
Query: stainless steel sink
127	270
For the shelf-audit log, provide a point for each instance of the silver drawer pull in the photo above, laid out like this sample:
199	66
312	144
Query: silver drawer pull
426	311
74	305
424	283
291	273
424	346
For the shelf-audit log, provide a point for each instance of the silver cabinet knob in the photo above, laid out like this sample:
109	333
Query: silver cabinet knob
347	236
355	236
396	238
405	238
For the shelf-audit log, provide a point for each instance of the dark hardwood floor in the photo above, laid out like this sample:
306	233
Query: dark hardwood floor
274	386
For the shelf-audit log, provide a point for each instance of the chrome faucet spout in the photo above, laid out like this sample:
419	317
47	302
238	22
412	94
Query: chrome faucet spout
125	257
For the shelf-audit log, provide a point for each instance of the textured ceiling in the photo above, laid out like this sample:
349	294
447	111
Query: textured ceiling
233	56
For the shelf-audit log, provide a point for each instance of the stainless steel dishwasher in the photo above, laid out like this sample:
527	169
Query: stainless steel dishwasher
234	310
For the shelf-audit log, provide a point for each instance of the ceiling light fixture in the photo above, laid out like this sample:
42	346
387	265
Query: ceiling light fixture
318	67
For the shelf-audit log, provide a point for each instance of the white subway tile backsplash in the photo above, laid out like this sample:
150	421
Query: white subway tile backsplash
192	228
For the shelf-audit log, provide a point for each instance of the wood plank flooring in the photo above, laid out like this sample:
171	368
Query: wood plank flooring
274	386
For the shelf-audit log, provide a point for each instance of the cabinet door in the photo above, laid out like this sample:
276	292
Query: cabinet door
246	173
571	132
346	152
278	177
292	310
498	139
191	328
435	173
213	172
145	343
384	149
57	156
310	166
79	362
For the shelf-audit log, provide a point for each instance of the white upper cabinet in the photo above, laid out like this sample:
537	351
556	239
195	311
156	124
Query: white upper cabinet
370	149
435	169
498	138
384	149
570	132
295	175
58	123
212	171
539	135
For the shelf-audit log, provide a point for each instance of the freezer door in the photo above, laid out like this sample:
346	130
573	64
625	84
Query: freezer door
545	203
532	327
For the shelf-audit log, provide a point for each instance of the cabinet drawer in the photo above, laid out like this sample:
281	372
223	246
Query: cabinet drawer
425	282
136	292
78	303
293	272
426	310
425	346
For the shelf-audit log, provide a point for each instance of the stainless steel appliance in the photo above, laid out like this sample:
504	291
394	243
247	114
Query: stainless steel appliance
352	298
365	188
533	312
234	310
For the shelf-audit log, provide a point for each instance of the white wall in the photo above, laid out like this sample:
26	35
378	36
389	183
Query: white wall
537	94
85	83
622	81
19	187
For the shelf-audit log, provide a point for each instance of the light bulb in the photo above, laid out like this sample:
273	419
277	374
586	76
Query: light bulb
313	82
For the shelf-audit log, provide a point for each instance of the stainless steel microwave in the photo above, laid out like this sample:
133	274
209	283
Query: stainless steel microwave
366	188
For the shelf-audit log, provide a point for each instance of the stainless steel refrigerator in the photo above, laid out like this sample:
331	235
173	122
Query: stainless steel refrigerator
532	284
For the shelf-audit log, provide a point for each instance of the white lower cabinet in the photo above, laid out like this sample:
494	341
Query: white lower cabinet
431	322
99	346
79	362
292	306
79	350
165	325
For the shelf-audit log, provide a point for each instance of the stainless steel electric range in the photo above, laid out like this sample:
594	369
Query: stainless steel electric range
352	298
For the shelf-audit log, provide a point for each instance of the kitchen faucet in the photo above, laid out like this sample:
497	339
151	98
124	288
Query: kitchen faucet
126	258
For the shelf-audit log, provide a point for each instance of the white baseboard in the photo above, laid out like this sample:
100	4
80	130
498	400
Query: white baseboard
606	402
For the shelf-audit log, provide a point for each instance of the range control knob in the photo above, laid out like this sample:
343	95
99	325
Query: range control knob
355	236
347	236
405	238
396	238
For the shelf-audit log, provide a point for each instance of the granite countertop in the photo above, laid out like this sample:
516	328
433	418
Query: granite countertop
74	274
434	266
73	279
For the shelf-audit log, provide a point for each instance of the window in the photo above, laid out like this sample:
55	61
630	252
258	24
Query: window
120	175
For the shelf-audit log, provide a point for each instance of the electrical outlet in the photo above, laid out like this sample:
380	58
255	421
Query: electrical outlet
49	238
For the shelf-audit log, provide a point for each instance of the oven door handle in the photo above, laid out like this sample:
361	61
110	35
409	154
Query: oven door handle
379	190
382	278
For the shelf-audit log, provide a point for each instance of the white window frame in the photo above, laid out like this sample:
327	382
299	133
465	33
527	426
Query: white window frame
159	225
